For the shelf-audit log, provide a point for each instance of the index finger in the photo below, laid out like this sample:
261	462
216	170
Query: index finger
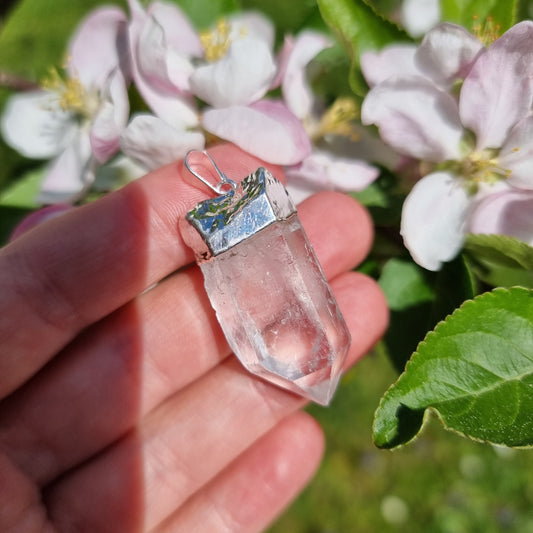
74	270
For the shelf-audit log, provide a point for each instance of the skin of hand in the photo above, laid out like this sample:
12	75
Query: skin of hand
121	408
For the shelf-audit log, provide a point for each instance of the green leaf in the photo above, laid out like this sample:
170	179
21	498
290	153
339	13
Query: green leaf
23	191
359	28
453	285
36	34
288	17
470	13
419	299
500	250
203	13
475	370
500	261
404	284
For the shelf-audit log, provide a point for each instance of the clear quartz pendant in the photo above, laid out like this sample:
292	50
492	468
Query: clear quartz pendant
269	292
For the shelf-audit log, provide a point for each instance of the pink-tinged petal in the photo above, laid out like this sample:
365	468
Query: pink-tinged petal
433	219
418	16
498	91
447	53
111	119
38	217
162	66
168	104
152	55
34	125
152	143
367	147
415	118
323	171
180	34
266	129
516	155
254	24
326	171
282	59
506	213
394	60
296	91
70	174
241	77
99	46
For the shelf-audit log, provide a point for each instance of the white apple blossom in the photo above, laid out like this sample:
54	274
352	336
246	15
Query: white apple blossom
419	16
230	67
76	119
330	163
420	117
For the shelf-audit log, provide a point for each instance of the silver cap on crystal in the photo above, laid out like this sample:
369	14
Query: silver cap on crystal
231	218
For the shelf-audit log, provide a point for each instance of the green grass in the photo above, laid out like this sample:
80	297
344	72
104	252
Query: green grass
441	483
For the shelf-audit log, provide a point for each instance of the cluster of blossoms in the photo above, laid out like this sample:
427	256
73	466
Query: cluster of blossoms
198	87
464	110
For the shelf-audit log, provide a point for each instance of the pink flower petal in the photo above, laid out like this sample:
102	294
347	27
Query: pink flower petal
394	60
433	219
506	213
163	66
168	104
498	91
266	129
152	55
415	118
241	77
447	53
516	154
111	119
99	46
34	125
153	143
70	174
180	33
282	59
324	171
296	91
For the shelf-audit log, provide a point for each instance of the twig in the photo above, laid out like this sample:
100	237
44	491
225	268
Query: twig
18	83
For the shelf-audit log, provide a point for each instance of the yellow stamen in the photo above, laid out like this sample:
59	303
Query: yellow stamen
486	32
337	120
70	92
217	41
481	167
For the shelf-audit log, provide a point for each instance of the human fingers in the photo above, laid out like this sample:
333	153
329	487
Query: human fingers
250	493
124	366
190	438
75	269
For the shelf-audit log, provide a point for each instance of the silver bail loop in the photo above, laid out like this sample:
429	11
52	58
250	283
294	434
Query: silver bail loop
222	185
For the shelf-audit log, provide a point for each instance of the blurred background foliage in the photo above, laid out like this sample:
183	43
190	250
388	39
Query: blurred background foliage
440	484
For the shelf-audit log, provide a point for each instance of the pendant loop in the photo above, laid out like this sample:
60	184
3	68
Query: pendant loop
224	180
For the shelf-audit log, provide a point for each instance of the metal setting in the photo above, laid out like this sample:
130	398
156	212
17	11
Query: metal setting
224	182
230	218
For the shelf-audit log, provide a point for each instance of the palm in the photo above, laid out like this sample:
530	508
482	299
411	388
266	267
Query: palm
121	409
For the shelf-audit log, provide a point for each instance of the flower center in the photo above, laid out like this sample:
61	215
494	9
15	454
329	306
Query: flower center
216	42
481	167
338	120
70	94
486	32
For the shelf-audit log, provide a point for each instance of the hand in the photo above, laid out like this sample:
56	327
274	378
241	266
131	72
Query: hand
122	409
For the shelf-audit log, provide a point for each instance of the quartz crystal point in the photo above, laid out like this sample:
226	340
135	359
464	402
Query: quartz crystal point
269	292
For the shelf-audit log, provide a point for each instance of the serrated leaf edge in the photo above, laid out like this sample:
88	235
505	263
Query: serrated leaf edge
429	335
